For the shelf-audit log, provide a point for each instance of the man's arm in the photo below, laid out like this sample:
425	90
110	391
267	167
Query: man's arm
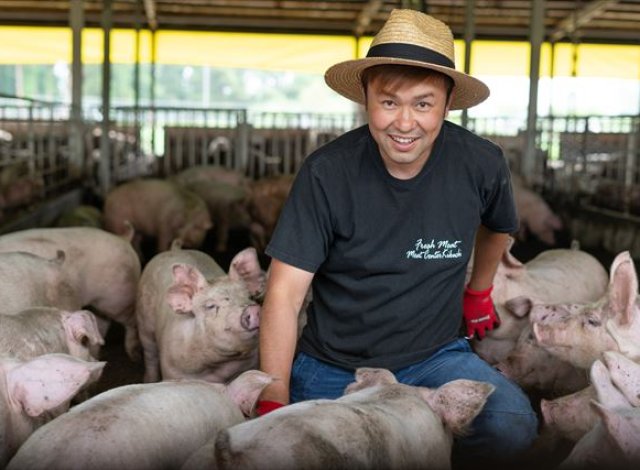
477	306
489	247
285	293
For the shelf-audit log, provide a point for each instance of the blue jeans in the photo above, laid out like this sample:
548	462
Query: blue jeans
504	429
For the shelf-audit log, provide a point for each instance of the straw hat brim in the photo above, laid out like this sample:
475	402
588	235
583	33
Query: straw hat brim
345	78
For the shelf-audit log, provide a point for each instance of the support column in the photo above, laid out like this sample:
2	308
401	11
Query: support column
528	166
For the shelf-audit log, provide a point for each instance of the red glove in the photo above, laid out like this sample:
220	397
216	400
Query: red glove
478	312
266	406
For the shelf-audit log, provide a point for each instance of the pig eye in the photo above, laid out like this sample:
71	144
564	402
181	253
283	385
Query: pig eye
211	306
593	321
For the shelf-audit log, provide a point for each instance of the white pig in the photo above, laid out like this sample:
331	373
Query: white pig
195	321
103	268
534	214
556	275
571	417
42	330
140	426
379	423
35	391
614	441
27	280
533	367
581	332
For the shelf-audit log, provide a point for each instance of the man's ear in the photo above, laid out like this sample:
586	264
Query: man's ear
449	101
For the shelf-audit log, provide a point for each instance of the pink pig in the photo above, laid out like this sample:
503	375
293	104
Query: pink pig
157	208
141	426
581	333
194	320
35	391
555	275
103	269
43	330
613	441
378	423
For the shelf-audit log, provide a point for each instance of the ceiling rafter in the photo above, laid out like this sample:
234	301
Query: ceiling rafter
580	18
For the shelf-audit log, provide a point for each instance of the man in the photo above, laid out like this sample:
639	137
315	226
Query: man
381	223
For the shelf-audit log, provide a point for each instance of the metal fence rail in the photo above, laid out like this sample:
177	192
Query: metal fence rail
594	156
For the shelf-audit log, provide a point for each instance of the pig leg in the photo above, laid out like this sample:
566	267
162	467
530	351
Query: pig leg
165	238
151	359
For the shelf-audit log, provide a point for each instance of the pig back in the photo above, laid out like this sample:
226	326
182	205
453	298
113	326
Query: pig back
554	276
381	427
31	333
142	426
27	280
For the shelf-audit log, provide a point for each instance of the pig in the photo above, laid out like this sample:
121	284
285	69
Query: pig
581	332
534	214
227	206
20	186
571	416
555	275
141	426
103	268
157	208
613	442
378	423
211	174
536	370
27	280
35	391
266	199
43	330
194	320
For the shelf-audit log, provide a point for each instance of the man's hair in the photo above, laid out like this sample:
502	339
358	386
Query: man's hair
391	76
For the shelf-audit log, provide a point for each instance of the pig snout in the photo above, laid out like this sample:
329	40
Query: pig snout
250	318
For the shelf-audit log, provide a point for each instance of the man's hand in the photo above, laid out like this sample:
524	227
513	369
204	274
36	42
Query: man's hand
267	406
478	312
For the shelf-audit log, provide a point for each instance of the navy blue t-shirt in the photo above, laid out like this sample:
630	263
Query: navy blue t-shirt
389	255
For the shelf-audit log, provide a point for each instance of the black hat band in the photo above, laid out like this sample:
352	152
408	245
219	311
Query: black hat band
410	52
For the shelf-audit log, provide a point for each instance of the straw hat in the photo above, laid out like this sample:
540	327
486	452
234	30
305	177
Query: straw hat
409	37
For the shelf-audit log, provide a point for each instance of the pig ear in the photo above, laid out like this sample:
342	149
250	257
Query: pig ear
82	325
508	259
369	377
458	402
246	267
245	389
48	381
519	306
606	391
187	280
622	429
623	288
625	375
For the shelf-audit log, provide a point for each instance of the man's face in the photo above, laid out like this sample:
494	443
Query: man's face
405	123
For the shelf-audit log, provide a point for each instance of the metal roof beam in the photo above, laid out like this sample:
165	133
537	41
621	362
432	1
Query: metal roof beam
365	16
579	18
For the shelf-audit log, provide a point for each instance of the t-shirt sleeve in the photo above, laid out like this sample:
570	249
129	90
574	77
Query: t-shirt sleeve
303	233
499	212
